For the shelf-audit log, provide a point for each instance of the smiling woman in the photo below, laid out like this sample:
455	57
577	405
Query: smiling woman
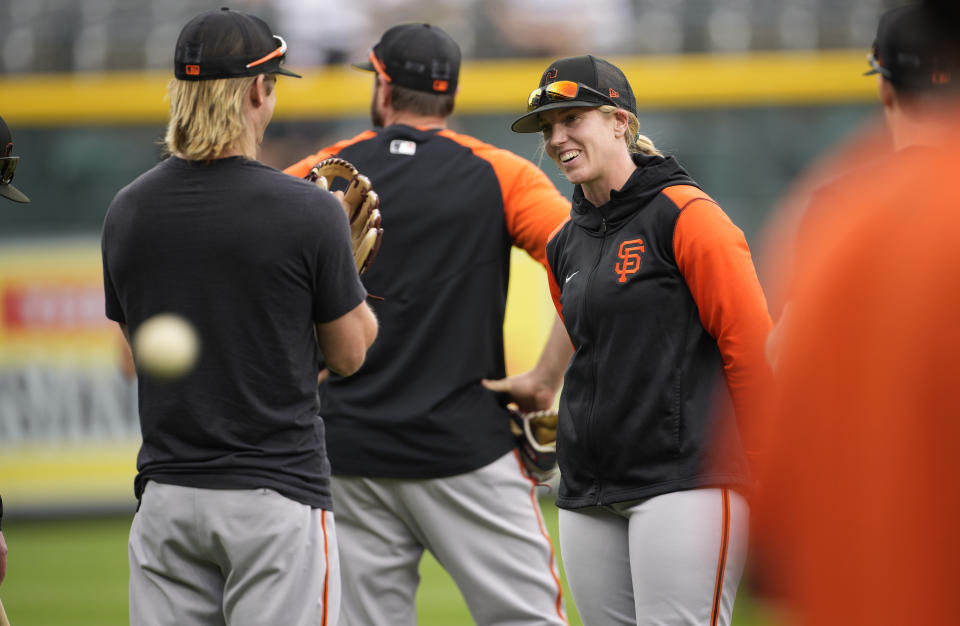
576	140
653	521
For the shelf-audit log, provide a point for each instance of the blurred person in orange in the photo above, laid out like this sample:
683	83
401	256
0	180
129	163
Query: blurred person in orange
857	517
913	74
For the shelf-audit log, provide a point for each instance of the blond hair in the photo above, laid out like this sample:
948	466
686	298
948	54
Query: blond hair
206	116
635	141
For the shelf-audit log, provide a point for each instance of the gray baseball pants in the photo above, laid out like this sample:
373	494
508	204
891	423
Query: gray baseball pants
670	560
231	556
484	527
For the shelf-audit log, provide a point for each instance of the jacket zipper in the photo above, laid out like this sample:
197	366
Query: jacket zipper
593	408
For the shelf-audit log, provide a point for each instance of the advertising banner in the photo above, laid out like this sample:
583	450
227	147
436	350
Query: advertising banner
69	430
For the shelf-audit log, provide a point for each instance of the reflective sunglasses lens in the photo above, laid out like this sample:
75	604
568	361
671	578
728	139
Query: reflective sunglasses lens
8	165
875	64
563	90
533	100
560	90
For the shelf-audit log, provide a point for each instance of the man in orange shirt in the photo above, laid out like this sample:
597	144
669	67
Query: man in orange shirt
913	71
858	519
422	454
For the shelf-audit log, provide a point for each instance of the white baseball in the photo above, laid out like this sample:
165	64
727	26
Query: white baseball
166	346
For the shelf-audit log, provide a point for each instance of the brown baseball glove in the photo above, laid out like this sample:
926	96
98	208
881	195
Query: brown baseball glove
536	438
360	203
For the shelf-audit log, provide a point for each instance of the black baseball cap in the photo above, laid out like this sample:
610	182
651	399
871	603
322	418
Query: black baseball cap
228	44
8	165
417	56
598	82
912	52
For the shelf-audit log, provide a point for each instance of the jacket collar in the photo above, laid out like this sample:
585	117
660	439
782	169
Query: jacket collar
653	173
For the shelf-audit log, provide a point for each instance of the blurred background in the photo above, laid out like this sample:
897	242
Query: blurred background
745	93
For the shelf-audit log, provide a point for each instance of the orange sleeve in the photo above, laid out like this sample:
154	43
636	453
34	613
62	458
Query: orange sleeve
302	167
534	207
532	204
714	259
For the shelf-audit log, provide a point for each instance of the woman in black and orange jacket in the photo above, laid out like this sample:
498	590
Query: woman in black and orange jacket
658	293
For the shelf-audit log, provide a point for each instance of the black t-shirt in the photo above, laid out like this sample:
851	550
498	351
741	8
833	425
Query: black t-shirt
253	258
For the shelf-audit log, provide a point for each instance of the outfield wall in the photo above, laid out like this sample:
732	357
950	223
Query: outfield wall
68	417
487	87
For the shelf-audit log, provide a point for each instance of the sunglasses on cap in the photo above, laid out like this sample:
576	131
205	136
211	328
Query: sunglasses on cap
8	165
280	51
379	67
877	68
560	91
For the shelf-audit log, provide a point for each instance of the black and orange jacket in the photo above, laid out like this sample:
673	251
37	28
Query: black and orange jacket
452	209
660	297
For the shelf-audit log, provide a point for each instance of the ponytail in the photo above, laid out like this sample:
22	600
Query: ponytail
636	142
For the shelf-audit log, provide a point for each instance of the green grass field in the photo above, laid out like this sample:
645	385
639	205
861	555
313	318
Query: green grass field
74	573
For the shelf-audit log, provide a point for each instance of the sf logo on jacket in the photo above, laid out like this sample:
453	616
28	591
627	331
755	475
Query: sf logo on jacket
631	255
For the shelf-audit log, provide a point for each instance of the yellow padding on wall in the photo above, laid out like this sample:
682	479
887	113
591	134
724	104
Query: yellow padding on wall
59	475
660	81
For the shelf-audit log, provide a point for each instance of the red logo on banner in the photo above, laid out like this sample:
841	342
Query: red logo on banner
52	307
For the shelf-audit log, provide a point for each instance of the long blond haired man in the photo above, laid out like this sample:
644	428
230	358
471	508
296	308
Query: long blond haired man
234	523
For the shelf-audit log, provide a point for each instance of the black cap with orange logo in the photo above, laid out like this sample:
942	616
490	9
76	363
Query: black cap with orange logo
417	56
228	44
584	81
914	51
